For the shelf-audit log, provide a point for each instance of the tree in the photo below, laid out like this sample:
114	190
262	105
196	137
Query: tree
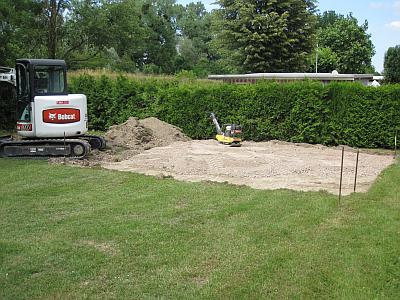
349	44
47	29
82	40
160	21
142	34
266	36
323	60
194	34
53	19
391	65
21	31
130	35
103	34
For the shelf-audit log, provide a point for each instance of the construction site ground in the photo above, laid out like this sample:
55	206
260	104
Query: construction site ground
155	148
264	165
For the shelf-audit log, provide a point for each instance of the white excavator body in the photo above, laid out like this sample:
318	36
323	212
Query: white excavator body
50	121
56	116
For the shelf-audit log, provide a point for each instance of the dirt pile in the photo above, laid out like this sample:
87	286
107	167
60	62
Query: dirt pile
144	134
163	133
135	136
130	135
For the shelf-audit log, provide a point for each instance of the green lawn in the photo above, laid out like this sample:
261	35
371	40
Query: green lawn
69	232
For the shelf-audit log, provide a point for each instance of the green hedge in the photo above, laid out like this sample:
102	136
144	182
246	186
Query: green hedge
339	113
7	106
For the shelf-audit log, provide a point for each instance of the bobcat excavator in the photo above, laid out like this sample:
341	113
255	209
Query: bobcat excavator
229	135
50	121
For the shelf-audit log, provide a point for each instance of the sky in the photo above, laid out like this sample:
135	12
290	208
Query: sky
383	20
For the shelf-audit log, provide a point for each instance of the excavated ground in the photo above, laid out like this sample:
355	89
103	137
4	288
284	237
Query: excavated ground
266	165
156	148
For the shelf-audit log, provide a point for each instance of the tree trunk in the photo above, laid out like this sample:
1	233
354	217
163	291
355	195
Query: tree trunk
52	38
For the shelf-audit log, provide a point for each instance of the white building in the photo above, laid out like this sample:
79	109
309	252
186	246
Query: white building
325	78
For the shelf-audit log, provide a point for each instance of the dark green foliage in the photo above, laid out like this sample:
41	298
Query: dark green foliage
307	111
392	63
165	37
114	101
194	27
267	36
21	32
7	106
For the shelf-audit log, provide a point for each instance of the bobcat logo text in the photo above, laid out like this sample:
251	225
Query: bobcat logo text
61	115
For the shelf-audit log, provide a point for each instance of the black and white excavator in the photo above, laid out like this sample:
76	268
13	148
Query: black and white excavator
50	121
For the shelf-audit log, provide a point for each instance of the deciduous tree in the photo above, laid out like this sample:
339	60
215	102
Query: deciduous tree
21	31
392	65
349	44
53	19
194	35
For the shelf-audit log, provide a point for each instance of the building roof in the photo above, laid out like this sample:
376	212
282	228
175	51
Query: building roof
379	78
294	76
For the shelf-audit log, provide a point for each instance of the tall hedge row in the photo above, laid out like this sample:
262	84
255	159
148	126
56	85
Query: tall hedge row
339	113
7	106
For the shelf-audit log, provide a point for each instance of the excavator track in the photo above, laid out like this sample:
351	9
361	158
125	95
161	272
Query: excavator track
72	148
95	141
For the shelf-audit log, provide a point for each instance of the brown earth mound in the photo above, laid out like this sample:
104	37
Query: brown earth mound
164	134
146	133
135	136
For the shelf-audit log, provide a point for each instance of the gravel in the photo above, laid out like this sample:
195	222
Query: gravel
264	165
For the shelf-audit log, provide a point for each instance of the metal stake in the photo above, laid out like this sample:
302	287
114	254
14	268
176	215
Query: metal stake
341	176
355	176
65	149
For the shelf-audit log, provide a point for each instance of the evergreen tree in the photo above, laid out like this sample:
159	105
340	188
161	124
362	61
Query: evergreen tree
266	36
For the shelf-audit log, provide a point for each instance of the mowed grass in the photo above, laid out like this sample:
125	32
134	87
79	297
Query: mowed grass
69	232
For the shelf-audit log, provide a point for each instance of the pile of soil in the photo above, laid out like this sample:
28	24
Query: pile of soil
144	134
135	136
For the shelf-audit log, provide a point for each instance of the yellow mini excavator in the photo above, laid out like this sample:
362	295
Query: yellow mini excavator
230	134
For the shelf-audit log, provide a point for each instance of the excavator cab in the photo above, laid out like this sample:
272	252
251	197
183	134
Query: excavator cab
7	95
38	77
